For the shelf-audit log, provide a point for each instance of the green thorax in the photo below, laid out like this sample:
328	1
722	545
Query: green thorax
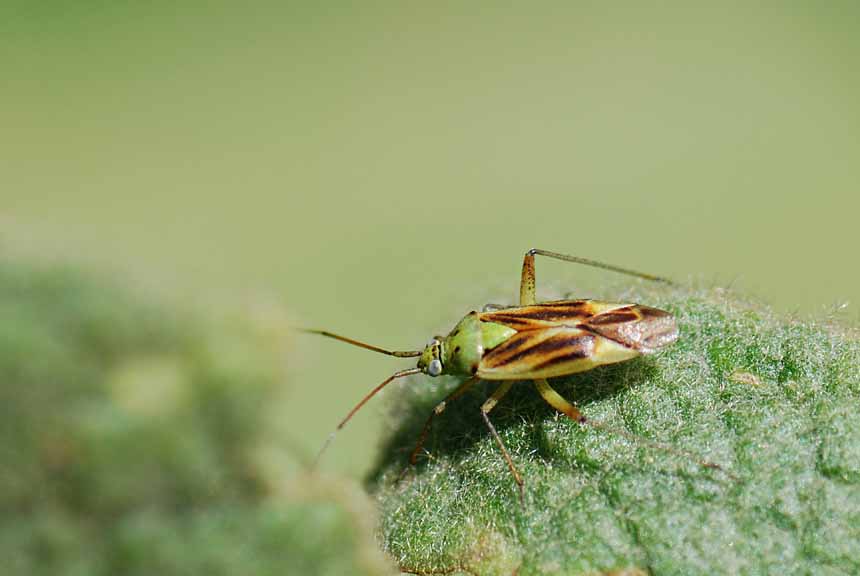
464	347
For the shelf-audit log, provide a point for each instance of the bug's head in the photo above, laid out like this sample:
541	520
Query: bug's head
430	361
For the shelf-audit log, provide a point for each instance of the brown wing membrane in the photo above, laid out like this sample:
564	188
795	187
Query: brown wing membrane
640	328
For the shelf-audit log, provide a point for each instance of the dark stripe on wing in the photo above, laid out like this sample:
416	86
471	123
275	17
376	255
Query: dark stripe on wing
569	312
540	347
626	314
578	348
640	328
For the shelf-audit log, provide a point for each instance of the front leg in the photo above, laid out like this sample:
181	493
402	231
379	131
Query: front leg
440	407
486	408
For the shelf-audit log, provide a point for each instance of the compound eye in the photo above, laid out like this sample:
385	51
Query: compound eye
435	367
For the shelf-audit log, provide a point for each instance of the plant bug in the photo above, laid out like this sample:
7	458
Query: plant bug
534	341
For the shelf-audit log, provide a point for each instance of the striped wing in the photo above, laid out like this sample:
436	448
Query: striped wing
568	336
548	314
550	352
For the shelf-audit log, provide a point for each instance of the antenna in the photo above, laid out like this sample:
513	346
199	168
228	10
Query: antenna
358	406
366	346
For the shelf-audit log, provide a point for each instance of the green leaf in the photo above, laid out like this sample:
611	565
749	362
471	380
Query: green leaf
136	440
774	401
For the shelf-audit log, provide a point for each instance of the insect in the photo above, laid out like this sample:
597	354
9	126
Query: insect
534	341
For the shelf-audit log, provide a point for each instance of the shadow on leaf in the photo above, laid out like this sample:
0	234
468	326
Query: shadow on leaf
460	426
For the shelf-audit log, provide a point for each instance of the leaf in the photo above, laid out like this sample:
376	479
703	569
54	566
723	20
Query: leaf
772	400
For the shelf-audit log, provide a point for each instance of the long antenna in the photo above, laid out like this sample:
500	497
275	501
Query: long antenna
366	346
358	406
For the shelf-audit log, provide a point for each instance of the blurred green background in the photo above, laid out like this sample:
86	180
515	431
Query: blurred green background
378	168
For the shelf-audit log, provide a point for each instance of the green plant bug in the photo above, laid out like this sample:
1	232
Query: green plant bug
534	341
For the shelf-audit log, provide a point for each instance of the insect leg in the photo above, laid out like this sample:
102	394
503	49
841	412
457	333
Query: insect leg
485	410
527	280
555	400
440	407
